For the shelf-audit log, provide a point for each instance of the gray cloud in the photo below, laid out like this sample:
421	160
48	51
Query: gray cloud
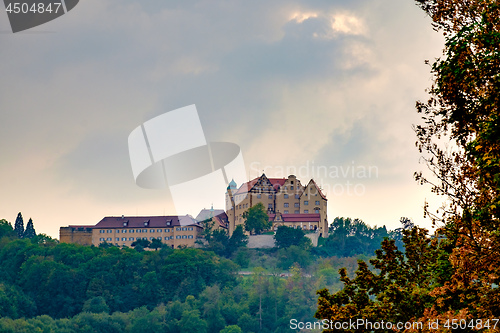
337	79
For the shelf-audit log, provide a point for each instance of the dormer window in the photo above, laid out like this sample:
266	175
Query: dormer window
125	223
146	223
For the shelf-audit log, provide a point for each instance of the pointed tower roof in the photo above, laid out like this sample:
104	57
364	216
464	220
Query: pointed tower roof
232	185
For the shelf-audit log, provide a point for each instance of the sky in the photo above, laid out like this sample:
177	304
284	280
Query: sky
322	89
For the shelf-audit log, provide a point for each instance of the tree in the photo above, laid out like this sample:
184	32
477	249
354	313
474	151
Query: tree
238	239
29	233
286	237
156	244
400	289
219	241
232	329
96	305
256	219
350	237
19	226
5	228
140	244
464	107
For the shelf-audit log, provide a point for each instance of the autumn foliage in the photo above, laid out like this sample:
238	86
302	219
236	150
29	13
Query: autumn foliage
456	274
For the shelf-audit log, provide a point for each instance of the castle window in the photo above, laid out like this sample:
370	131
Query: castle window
152	230
124	231
270	206
159	230
117	231
190	228
190	236
259	196
132	231
117	239
297	204
306	203
297	196
167	230
316	211
306	211
286	204
101	231
291	187
286	196
124	239
296	212
317	202
285	212
131	239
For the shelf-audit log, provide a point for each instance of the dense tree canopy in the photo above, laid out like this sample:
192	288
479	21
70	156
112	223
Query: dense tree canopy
348	237
286	237
256	219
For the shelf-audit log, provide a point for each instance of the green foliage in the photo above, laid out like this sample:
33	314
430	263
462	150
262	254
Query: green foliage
140	244
19	226
6	229
156	244
350	238
96	305
219	241
232	329
256	219
61	280
30	230
293	254
400	289
286	237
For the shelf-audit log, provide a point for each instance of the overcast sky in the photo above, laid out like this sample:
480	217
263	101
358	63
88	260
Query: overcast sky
310	85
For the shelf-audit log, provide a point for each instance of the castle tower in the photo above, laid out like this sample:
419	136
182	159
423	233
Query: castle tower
230	205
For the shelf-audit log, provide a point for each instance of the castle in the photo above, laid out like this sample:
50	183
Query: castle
287	201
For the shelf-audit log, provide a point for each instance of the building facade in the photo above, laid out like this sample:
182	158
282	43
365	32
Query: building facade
287	201
173	231
76	234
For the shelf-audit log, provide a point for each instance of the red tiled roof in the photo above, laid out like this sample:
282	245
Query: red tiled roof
246	187
137	221
319	190
297	217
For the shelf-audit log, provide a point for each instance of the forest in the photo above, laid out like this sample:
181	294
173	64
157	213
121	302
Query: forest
51	287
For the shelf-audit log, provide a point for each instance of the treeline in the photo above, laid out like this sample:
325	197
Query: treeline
47	286
351	237
51	287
